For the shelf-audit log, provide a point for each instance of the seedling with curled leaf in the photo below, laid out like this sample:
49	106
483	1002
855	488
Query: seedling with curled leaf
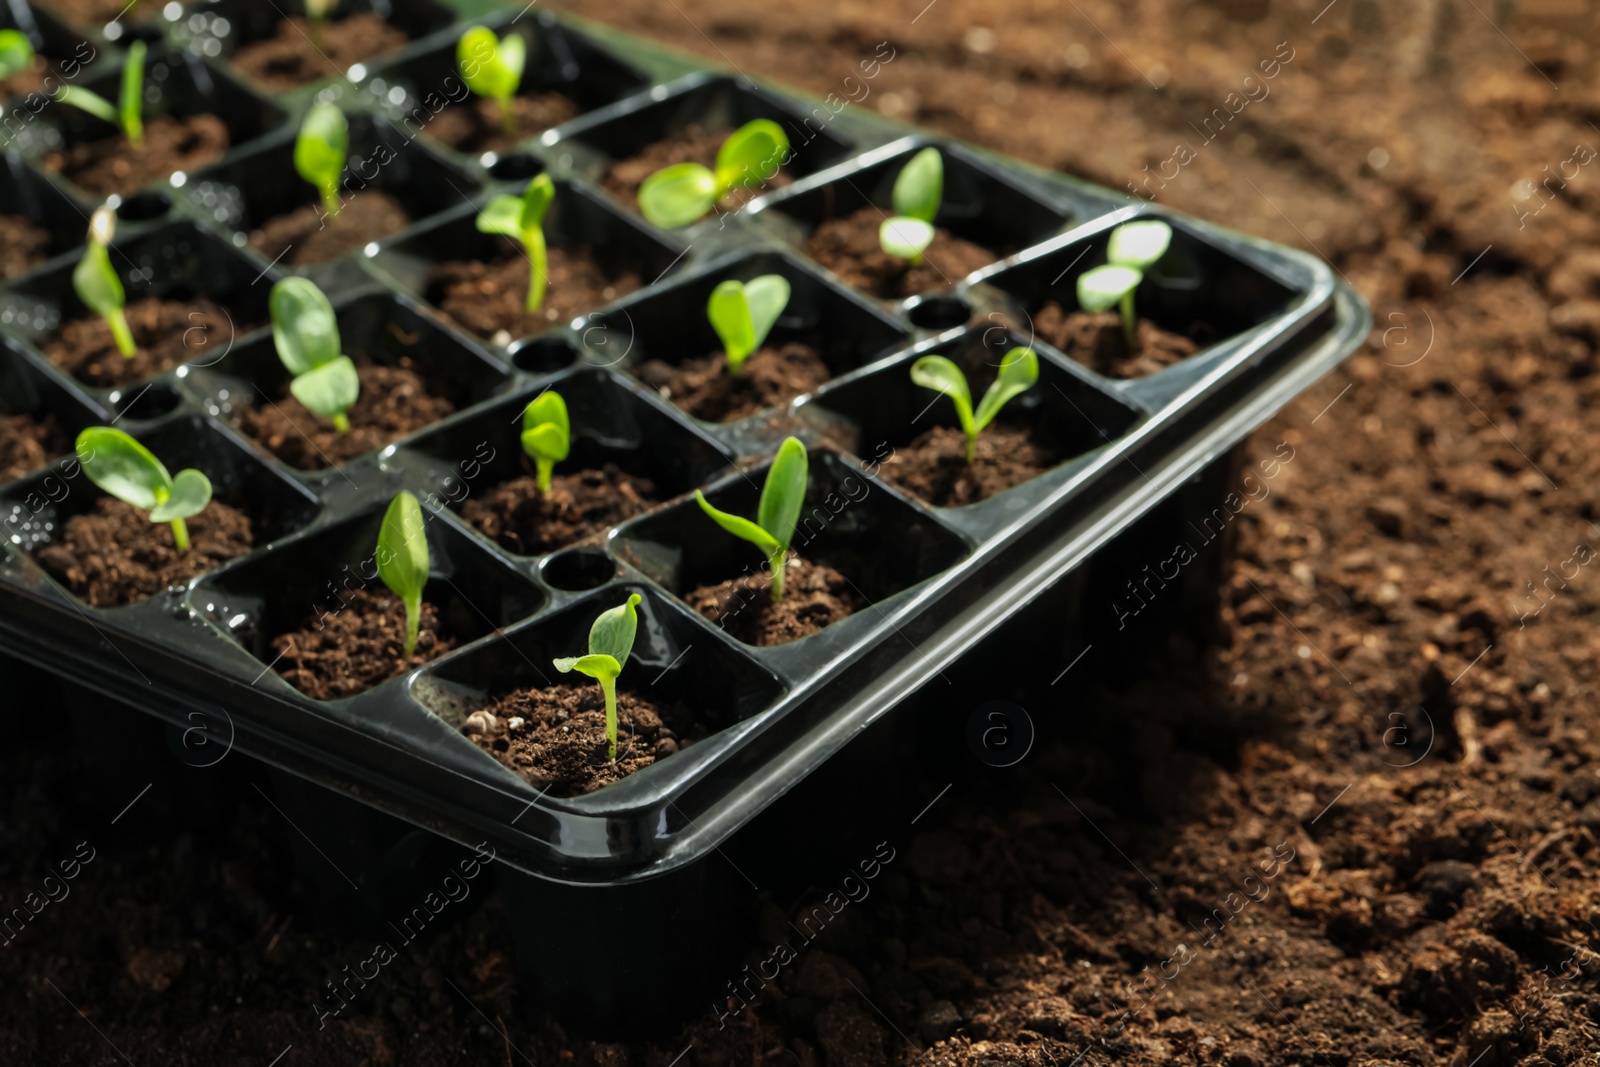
128	471
16	53
1019	370
522	219
743	313
1134	246
782	497
546	434
683	193
128	112
320	152
917	193
402	559
492	67
610	642
306	333
95	280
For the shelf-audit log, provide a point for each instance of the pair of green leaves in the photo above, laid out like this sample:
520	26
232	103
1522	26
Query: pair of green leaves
1133	247
492	67
128	471
16	53
97	284
918	191
402	559
683	193
743	313
306	333
320	152
782	497
1019	370
546	434
610	643
521	218
128	112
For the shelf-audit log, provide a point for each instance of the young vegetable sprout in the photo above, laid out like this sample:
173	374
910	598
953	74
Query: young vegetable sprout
779	510
317	12
306	334
16	53
680	194
522	219
96	283
546	434
126	470
129	110
917	193
1133	247
320	151
402	559
743	313
492	67
610	641
1019	370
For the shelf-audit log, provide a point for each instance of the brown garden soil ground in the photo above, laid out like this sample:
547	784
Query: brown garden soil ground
1426	547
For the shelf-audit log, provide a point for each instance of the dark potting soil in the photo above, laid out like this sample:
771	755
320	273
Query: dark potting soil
475	126
28	442
555	737
770	377
291	57
694	144
490	299
394	402
166	333
23	245
306	235
339	653
815	596
934	466
112	165
850	248
28	81
114	555
1098	341
580	505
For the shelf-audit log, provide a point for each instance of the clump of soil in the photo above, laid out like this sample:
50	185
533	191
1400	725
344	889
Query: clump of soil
1098	341
306	235
289	57
166	333
475	126
339	654
556	737
851	249
28	443
487	299
815	596
114	555
28	81
394	402
694	144
934	466
23	245
770	377
521	519
112	165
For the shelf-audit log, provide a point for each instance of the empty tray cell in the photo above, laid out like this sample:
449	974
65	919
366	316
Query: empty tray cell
39	416
109	554
317	611
61	54
413	373
37	220
629	453
1197	295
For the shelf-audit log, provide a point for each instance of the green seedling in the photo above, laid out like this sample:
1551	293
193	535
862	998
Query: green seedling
610	642
306	333
317	12
96	282
492	67
16	53
126	470
683	193
1019	370
918	190
320	152
1133	247
546	434
743	313
128	112
522	219
402	559
781	499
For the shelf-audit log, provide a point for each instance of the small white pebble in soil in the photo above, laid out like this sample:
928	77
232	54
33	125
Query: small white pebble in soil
979	39
1076	56
1241	680
1304	651
1378	158
1158	75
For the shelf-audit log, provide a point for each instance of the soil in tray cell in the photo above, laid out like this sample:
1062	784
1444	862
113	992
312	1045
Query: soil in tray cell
521	519
476	126
23	245
28	442
694	144
851	248
292	57
815	596
166	333
338	654
934	466
1098	341
489	300
113	165
770	377
307	235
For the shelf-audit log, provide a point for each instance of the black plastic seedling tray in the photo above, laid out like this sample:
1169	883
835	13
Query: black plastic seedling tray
625	918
